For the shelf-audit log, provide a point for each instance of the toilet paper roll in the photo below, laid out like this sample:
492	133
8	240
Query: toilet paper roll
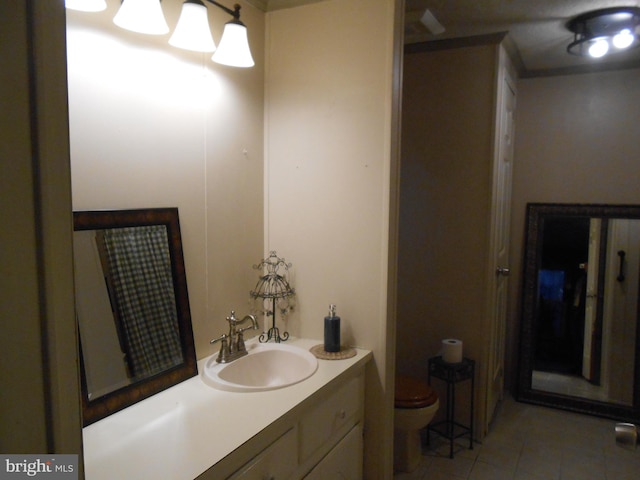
452	350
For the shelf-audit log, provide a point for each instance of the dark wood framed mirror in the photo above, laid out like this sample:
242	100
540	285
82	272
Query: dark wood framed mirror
579	333
132	307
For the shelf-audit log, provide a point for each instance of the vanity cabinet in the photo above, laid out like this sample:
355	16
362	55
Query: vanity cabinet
194	431
340	461
275	462
330	418
320	439
457	149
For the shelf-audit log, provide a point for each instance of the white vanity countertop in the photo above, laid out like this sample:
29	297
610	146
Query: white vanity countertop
183	431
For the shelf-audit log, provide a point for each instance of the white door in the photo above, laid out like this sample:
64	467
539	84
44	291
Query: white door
621	309
501	214
591	301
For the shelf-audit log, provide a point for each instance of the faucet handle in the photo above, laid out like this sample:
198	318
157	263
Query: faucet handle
224	347
222	338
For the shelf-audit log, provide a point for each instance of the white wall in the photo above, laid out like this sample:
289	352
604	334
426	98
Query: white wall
156	126
329	107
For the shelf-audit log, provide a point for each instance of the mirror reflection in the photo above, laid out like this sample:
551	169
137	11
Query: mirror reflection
580	308
132	307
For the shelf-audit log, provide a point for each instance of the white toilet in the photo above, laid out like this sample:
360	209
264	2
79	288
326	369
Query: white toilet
415	405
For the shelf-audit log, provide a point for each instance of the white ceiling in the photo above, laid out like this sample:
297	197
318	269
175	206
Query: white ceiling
537	27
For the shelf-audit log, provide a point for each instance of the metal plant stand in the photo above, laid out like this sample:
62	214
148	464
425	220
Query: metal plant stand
452	373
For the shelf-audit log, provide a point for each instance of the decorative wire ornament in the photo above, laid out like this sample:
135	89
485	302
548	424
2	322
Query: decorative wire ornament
274	288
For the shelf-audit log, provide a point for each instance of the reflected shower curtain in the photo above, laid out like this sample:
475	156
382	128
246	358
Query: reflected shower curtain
142	282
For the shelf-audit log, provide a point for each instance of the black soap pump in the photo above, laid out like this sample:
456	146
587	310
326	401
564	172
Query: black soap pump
332	331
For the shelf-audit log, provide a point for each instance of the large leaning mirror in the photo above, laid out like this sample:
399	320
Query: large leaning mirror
132	306
580	309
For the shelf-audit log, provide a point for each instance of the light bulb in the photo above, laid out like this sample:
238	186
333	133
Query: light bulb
142	16
623	39
233	49
192	31
599	48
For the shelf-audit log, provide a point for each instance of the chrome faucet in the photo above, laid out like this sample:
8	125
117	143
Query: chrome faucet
232	344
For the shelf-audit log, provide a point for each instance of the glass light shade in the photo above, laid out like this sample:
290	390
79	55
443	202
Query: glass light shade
234	46
86	5
624	39
142	16
599	48
192	31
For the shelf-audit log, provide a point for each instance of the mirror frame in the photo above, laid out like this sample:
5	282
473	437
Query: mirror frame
99	408
536	214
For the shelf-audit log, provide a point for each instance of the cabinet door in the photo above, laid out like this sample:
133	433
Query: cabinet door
331	418
344	462
277	462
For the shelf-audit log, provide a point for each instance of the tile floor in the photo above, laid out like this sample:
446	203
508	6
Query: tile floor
528	442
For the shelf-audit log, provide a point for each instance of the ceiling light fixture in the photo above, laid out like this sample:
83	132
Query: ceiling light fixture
605	31
192	31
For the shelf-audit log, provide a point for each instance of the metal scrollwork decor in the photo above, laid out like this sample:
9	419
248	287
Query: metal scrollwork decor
276	293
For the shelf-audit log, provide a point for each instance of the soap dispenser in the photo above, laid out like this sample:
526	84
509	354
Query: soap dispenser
332	331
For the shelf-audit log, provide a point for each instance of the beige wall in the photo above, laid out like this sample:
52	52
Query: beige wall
445	202
328	172
156	126
576	142
39	371
151	126
21	321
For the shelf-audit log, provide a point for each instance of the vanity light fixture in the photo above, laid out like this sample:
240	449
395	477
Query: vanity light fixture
234	45
192	31
141	16
605	31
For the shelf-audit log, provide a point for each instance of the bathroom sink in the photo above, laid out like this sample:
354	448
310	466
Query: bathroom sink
268	366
